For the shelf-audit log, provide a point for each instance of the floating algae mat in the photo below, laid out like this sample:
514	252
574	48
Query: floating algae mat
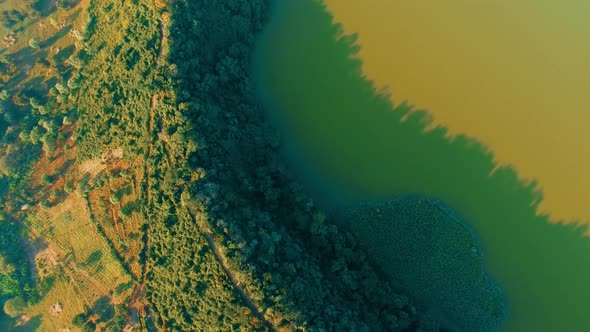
342	132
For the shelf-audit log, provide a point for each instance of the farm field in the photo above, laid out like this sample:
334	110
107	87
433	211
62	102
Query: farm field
81	265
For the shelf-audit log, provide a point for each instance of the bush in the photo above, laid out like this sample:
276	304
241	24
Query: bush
79	320
15	306
34	43
94	257
46	179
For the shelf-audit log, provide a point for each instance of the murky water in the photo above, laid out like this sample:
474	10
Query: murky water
513	74
340	132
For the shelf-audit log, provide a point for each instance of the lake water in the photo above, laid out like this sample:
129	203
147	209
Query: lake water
351	143
513	74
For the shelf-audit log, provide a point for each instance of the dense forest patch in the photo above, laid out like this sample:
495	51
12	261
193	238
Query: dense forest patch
297	266
152	194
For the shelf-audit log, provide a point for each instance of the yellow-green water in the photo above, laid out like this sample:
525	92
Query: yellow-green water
513	74
333	120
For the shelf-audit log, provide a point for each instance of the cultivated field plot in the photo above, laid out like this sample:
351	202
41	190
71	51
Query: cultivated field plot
68	226
61	304
115	206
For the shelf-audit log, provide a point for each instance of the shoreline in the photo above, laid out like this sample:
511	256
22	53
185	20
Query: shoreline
330	194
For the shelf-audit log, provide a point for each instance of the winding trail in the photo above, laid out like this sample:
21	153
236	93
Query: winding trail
139	292
236	284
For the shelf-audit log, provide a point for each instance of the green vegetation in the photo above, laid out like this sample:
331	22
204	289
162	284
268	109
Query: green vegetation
15	306
442	262
296	266
221	213
143	178
15	278
56	279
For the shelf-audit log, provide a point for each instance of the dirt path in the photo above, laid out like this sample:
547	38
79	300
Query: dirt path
236	284
139	293
153	105
163	41
147	172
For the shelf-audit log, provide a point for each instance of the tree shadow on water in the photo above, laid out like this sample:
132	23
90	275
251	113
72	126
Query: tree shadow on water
357	142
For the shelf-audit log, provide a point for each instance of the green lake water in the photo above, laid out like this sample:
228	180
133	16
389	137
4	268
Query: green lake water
350	142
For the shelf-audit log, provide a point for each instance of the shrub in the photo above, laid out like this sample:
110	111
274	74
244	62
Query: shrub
15	306
34	43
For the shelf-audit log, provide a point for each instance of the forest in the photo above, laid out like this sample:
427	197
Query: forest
303	271
148	147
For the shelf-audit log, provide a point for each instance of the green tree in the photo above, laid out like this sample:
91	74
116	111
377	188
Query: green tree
36	134
15	306
79	320
34	43
6	268
46	179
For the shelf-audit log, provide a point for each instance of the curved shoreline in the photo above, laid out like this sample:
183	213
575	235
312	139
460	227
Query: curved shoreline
434	255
